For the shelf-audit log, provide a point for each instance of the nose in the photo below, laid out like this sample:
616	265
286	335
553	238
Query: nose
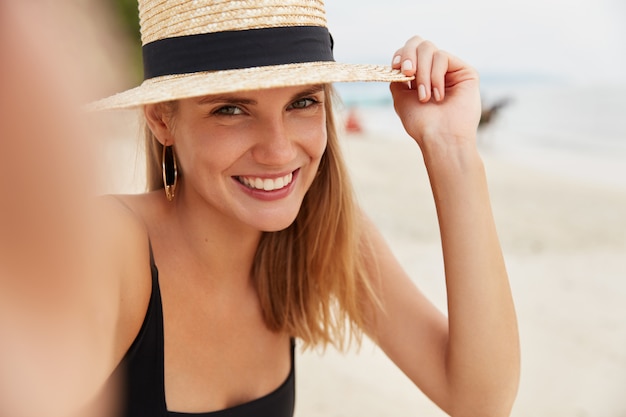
274	145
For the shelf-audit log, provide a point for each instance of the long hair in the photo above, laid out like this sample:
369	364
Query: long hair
311	277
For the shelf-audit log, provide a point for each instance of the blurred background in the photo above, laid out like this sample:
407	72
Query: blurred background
552	71
553	136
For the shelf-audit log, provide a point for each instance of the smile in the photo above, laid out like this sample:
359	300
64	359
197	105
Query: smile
266	184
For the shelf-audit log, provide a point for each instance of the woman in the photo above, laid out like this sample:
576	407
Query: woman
250	238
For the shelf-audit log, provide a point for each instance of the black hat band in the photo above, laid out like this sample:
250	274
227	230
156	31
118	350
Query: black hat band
229	50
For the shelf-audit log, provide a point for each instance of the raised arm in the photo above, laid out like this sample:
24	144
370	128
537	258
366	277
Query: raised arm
468	363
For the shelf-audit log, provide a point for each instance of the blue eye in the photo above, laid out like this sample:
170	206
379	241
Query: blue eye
303	103
228	111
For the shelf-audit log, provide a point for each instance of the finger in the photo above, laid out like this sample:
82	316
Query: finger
458	72
425	53
438	74
455	63
405	58
397	59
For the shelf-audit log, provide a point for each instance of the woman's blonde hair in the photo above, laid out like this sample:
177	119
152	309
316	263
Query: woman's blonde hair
310	277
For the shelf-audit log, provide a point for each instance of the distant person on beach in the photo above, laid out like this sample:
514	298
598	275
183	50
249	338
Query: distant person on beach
250	241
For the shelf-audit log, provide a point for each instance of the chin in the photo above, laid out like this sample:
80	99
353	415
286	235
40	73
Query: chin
274	223
276	227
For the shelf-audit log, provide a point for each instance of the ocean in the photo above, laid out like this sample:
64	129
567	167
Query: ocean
577	131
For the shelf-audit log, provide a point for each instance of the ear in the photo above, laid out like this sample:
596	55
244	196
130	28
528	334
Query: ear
159	120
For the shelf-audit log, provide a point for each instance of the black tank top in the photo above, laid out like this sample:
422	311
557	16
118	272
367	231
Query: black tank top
141	374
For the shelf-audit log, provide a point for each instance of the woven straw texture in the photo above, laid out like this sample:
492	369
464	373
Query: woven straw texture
162	19
205	83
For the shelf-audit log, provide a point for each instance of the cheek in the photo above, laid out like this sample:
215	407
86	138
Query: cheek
314	139
316	147
205	154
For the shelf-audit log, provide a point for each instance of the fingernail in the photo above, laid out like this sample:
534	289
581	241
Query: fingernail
436	94
396	60
421	92
407	65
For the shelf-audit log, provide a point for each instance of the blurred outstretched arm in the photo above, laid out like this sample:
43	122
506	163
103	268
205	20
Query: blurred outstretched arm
56	321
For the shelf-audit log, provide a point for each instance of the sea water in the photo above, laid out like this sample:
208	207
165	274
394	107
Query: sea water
574	130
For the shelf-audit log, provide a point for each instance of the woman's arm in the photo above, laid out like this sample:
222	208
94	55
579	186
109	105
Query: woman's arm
468	363
70	266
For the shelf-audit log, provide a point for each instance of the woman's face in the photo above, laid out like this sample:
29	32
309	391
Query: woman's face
251	156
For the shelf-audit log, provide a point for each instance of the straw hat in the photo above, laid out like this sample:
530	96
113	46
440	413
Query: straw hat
199	47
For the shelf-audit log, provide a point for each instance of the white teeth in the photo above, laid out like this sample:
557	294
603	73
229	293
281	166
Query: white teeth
267	184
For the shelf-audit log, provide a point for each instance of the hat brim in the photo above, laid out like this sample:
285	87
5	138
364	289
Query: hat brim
174	87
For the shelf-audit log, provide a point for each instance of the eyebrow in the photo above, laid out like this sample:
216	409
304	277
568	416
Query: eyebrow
226	98
315	89
236	99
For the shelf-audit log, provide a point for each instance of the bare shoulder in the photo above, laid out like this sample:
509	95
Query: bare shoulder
124	230
127	243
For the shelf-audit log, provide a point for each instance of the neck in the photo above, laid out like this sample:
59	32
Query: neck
219	245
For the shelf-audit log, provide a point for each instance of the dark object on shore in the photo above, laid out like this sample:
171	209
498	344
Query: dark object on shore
489	113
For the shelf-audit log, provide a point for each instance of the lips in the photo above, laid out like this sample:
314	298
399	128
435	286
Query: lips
266	184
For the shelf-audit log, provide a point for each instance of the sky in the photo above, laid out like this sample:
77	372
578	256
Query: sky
573	41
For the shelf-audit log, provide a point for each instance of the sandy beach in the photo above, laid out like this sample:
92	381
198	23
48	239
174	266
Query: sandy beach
564	242
565	246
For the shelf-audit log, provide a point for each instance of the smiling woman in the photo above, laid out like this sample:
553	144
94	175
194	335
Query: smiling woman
232	149
249	239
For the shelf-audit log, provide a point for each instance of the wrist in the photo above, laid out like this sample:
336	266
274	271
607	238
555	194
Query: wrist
451	154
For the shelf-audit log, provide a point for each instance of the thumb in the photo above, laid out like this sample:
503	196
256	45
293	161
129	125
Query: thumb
403	95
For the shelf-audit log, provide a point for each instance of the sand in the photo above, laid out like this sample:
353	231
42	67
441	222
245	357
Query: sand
564	242
565	246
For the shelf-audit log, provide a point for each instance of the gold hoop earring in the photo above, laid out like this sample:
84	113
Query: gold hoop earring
170	171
